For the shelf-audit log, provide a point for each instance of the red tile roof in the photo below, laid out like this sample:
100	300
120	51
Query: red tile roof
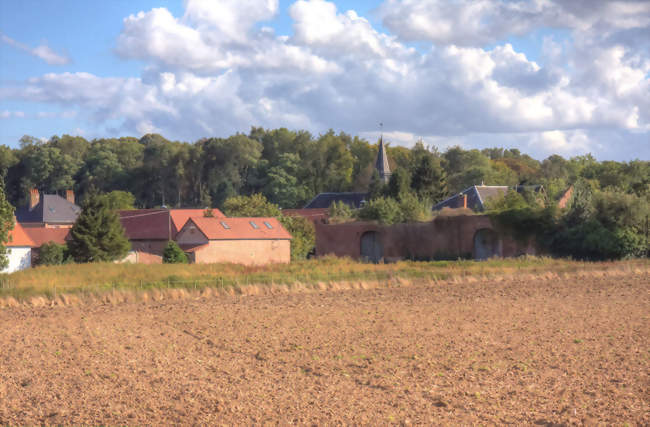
154	224
146	224
240	228
41	235
180	216
18	237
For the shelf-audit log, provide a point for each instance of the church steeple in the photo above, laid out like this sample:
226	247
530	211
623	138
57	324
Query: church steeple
381	164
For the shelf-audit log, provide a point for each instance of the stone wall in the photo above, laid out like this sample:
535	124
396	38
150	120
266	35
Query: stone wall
446	237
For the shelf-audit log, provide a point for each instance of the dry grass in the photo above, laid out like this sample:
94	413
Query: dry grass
324	273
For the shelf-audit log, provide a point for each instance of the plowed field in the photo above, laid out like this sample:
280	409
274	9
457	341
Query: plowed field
575	350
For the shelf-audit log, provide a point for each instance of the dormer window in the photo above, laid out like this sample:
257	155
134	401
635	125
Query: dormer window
224	225
269	226
255	226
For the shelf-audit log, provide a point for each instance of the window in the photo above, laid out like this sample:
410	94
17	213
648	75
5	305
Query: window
255	226
269	226
224	225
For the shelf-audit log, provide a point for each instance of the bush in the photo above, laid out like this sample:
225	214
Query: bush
340	212
303	233
173	254
413	210
52	254
384	210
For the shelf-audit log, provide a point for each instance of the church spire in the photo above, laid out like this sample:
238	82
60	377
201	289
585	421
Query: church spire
381	164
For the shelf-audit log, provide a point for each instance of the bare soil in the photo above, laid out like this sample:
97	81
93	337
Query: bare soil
545	351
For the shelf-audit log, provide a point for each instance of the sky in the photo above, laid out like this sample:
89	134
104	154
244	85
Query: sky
544	76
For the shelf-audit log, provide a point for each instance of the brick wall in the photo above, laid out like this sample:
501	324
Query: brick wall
446	237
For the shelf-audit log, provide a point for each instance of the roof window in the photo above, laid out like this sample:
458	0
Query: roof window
269	226
224	225
255	226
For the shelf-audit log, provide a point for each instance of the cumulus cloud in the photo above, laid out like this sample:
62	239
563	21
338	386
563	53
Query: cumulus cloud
43	51
215	71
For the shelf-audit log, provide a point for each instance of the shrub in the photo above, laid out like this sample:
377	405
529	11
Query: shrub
384	210
412	209
303	233
52	254
173	254
340	212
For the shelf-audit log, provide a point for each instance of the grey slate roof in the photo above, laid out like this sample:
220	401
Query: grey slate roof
381	164
50	209
324	200
477	195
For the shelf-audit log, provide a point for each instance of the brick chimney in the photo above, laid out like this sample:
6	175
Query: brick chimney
34	197
465	201
69	196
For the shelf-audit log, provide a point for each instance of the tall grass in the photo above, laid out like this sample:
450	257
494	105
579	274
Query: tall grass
99	277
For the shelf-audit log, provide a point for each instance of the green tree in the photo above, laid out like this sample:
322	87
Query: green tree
119	200
173	254
412	209
52	253
250	206
429	180
399	184
97	235
303	235
340	211
383	209
377	188
6	224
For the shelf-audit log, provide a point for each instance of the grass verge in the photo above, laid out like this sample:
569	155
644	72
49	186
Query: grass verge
105	277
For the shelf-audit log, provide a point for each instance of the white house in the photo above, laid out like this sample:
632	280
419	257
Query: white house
19	250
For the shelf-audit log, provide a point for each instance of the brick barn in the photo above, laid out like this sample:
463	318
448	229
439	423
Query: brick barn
249	241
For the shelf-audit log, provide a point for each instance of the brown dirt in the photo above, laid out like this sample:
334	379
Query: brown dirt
513	350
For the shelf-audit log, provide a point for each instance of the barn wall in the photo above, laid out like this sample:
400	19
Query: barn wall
19	257
155	247
248	252
443	238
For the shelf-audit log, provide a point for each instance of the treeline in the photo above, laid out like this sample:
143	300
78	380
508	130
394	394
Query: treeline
288	167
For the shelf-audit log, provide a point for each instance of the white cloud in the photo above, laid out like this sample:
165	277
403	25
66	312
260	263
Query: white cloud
43	51
213	71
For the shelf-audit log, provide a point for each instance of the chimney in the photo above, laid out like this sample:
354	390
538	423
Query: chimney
34	197
465	201
69	196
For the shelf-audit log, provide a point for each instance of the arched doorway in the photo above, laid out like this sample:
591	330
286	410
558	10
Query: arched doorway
487	244
371	247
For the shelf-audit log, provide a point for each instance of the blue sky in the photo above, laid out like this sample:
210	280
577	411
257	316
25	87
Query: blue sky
558	77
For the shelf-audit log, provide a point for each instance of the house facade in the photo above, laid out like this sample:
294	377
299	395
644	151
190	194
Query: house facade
249	241
19	250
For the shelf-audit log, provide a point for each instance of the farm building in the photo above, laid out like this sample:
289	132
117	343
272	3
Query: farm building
19	250
48	210
446	237
250	241
149	230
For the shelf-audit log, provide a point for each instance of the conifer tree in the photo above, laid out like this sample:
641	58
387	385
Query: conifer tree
173	254
97	235
377	187
6	224
429	180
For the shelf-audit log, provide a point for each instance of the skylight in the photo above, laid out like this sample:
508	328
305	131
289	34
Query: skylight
269	226
255	226
224	225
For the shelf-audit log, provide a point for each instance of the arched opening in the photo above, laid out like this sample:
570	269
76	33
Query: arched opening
371	247
487	244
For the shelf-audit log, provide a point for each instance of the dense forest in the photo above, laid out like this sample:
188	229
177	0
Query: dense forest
288	167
